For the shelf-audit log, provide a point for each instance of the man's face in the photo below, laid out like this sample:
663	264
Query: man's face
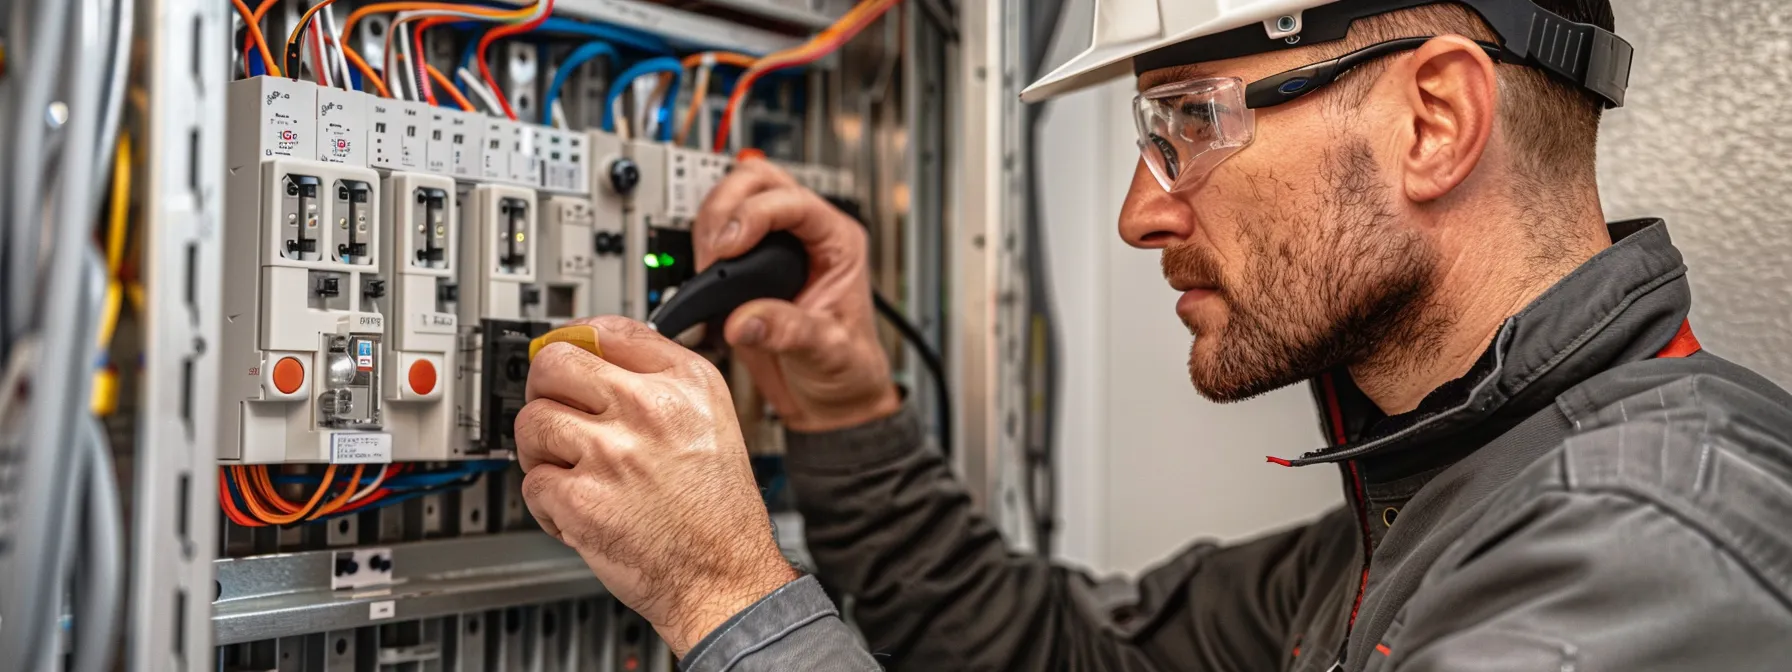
1293	256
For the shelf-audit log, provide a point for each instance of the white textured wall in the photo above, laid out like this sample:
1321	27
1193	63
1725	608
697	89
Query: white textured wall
1705	141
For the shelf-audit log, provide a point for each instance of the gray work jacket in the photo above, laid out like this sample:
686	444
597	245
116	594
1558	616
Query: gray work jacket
1580	501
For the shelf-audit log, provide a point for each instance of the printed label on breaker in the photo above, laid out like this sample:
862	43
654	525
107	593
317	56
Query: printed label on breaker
360	448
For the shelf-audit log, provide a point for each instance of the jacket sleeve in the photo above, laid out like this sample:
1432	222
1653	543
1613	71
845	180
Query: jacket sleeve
1594	581
934	587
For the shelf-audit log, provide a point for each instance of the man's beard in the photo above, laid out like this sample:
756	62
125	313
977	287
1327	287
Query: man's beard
1344	283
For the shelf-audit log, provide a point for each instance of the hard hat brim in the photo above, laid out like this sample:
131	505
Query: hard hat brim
1087	69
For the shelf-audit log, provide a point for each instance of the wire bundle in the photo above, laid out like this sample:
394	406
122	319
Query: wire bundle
250	496
824	43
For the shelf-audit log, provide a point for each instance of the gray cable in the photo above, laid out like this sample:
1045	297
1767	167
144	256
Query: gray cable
119	71
35	73
100	592
62	380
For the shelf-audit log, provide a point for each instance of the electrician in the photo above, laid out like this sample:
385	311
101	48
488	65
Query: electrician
1392	201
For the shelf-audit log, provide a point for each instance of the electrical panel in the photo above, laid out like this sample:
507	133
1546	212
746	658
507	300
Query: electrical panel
387	263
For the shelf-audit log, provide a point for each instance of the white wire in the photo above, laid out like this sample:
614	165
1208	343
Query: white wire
408	64
371	486
335	40
477	88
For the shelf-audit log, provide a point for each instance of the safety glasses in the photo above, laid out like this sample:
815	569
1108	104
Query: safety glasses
1186	129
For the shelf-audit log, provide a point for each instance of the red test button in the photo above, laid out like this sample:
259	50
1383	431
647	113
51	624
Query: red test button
423	376
289	375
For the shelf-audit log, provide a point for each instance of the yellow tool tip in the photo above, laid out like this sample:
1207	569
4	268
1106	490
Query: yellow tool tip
580	335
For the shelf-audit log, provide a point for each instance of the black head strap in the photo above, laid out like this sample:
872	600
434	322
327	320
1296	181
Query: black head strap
1585	55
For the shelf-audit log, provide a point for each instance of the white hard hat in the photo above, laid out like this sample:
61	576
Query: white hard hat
1140	35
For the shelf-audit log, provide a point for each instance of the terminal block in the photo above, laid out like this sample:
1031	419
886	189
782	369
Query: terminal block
568	241
499	303
564	159
421	229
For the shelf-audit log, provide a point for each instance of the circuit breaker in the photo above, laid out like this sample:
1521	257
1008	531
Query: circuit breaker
501	309
421	236
302	339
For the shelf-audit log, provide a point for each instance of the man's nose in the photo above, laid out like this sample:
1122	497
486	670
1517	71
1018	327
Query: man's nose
1152	219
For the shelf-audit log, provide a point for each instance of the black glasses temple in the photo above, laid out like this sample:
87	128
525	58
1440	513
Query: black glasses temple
1281	88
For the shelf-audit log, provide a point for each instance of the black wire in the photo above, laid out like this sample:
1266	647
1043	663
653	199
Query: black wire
930	358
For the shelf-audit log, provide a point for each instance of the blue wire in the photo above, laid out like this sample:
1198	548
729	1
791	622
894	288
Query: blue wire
616	35
665	65
577	58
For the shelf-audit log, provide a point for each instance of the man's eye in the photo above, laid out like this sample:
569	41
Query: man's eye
1201	112
1166	150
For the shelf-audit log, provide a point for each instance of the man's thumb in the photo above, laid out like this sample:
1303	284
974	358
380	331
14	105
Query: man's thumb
773	326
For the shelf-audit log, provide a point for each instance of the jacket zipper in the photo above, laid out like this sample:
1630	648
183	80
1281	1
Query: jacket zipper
1336	413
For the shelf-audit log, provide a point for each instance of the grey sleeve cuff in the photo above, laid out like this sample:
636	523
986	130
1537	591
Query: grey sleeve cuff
872	443
794	628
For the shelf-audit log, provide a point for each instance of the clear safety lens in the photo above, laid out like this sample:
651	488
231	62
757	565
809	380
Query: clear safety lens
1188	128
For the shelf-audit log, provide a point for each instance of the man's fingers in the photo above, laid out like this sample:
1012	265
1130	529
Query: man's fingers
547	492
772	325
792	209
568	374
549	433
634	346
747	179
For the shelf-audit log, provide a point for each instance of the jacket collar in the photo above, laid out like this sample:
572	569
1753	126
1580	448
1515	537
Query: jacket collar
1623	305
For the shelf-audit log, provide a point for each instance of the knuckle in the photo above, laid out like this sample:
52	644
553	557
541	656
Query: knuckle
536	486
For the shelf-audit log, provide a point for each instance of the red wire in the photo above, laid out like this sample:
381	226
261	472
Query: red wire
429	89
505	31
320	64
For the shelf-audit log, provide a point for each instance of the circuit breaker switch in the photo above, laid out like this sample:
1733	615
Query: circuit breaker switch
354	204
431	242
329	287
515	228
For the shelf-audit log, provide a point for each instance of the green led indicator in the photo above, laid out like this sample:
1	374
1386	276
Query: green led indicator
651	261
666	260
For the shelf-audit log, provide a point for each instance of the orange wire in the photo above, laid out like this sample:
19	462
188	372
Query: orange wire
229	503
354	483
264	487
441	81
700	87
825	42
261	41
491	36
248	41
348	27
721	58
367	73
286	519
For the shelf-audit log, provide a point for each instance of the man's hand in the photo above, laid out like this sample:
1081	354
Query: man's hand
816	360
636	461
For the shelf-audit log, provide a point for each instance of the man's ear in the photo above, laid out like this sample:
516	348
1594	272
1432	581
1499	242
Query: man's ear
1452	94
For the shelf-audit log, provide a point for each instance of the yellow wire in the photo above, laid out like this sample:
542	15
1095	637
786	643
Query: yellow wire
104	398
